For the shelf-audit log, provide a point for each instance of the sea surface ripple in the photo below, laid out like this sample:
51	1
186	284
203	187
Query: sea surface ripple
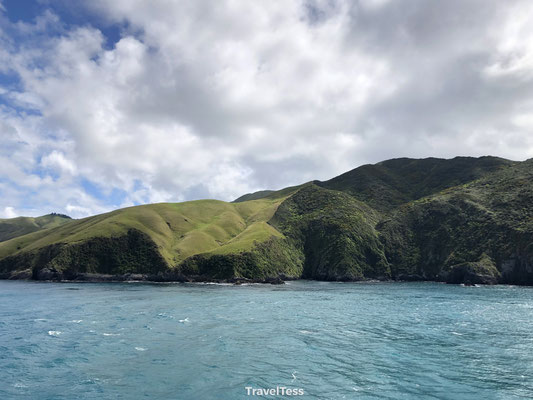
334	340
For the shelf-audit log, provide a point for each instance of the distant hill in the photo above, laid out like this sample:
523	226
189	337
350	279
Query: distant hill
253	196
464	220
13	227
390	183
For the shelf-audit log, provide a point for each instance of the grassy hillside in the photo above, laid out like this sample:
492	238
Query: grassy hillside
388	184
459	220
179	230
254	196
13	227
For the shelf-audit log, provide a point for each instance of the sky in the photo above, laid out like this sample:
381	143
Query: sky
108	104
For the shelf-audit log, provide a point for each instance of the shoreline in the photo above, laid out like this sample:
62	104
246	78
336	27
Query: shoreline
154	279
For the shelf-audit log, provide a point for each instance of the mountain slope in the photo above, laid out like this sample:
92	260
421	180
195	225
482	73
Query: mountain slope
175	231
13	227
334	233
490	220
459	220
254	196
391	183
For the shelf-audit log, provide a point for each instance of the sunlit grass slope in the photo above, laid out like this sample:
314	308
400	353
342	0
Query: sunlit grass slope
179	230
13	227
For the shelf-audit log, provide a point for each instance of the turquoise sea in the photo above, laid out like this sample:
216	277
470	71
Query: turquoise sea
333	340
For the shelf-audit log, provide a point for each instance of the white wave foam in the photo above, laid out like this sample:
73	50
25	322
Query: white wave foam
55	333
111	334
140	349
76	321
182	321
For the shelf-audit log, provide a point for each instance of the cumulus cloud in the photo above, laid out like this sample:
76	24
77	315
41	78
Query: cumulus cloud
9	212
214	99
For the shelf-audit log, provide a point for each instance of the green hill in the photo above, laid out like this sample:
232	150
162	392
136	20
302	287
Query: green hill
488	221
160	235
459	220
13	227
391	183
254	196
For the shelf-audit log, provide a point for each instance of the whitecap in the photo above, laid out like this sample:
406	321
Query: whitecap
39	319
306	332
111	334
76	321
140	349
20	385
55	333
182	321
457	333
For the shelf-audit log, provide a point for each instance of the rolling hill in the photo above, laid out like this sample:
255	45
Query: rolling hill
459	220
13	227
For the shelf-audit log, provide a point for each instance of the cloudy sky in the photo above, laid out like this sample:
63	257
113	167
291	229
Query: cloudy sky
106	104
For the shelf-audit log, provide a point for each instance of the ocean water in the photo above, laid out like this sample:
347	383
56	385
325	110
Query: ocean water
333	340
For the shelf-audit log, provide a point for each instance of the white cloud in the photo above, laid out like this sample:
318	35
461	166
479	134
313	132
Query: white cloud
9	212
211	99
514	44
57	162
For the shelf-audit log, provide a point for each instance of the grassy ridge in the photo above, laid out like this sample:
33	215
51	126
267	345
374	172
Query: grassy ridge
390	183
13	227
179	230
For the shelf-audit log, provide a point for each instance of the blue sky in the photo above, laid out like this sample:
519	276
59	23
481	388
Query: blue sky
112	104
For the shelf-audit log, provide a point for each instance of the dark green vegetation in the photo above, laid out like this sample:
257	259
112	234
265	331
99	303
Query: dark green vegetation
465	220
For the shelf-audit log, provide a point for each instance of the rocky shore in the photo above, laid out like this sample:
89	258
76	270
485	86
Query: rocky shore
465	274
52	275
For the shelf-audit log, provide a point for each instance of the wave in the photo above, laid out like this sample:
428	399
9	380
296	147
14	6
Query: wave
76	321
55	333
182	321
111	334
140	349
